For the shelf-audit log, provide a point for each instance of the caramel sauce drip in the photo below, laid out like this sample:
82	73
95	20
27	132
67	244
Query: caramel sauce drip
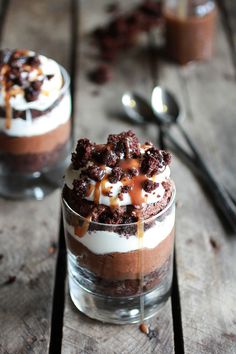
140	234
89	190
130	163
135	192
96	194
8	110
81	230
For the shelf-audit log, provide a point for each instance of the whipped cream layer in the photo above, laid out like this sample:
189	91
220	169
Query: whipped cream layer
49	91
103	242
60	114
115	188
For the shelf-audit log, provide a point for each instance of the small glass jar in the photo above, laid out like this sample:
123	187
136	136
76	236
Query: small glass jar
190	29
120	273
35	146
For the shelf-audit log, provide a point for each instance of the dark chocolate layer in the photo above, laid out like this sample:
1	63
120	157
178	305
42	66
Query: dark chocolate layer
27	163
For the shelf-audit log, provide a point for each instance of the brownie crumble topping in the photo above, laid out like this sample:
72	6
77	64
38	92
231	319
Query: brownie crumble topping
114	170
149	186
15	73
83	154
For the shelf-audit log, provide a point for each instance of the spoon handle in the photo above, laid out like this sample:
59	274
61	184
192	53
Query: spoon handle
220	196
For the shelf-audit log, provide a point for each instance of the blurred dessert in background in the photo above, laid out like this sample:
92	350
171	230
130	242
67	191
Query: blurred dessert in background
35	111
190	29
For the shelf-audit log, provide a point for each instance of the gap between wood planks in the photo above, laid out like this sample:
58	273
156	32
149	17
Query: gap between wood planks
61	267
225	18
4	5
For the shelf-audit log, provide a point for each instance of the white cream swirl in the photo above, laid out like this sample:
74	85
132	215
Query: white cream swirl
103	242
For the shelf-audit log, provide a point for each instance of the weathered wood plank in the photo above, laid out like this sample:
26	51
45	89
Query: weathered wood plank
205	254
29	227
96	113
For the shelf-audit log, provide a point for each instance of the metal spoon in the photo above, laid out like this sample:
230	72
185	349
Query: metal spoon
165	112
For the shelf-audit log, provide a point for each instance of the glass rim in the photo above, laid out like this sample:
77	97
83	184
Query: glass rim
66	79
170	203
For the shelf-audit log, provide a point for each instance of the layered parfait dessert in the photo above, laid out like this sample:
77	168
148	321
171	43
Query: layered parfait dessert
119	218
35	112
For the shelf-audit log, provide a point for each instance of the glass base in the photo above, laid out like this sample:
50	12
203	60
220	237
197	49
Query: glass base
117	310
36	185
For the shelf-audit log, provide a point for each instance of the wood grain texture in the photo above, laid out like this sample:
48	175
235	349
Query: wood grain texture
205	253
97	112
29	227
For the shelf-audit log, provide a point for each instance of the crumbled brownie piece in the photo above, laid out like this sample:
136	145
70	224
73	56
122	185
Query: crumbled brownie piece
16	67
125	144
83	154
154	160
149	166
33	61
81	187
149	185
101	74
125	189
105	156
131	172
115	175
96	173
31	94
36	85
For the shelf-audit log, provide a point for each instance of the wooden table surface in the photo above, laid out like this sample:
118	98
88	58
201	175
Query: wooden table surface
36	313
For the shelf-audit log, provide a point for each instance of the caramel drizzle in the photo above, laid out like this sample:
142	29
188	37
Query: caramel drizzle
8	110
140	234
81	230
12	91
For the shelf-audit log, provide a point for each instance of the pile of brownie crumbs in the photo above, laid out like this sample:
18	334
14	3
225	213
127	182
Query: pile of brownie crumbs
121	33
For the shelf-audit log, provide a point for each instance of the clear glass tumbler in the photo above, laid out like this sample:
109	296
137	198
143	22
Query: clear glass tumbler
35	151
120	273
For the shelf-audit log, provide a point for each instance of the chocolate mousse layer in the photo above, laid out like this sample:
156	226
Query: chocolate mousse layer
119	273
30	154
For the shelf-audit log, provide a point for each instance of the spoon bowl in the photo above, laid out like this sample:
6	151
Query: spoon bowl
165	106
137	108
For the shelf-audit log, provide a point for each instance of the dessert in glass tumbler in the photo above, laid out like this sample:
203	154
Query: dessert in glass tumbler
119	214
35	109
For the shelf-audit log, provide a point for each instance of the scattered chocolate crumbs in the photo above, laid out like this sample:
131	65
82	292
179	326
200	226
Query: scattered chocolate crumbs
144	328
122	31
152	333
149	185
11	279
1	257
101	74
115	175
214	244
94	172
52	248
